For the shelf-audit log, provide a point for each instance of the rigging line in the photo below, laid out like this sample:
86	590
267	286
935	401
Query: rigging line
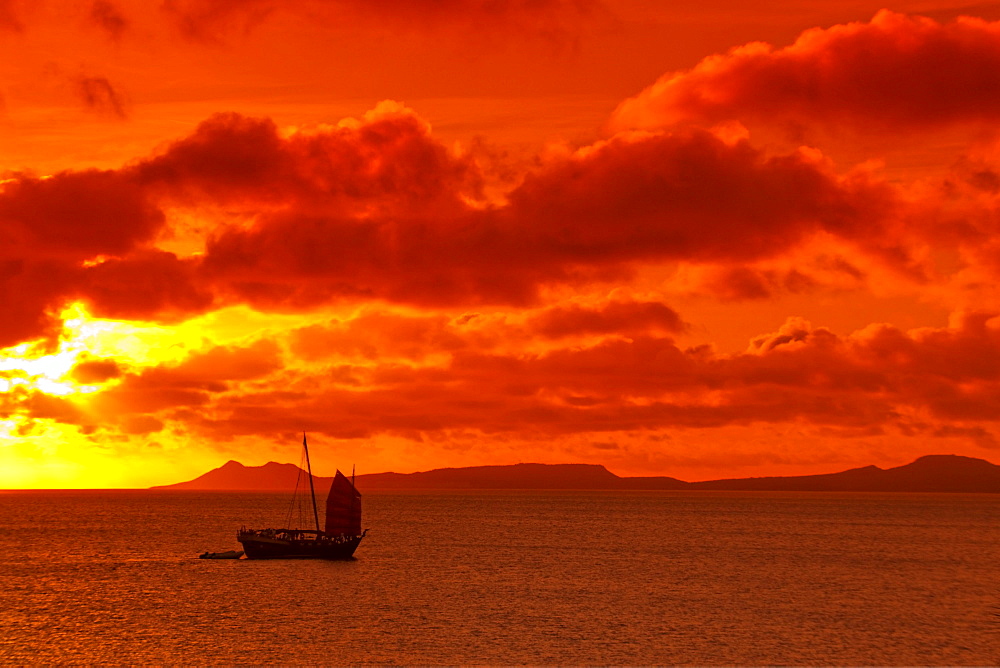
312	488
354	492
295	504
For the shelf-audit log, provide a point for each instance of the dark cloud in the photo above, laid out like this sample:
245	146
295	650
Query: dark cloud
738	283
109	17
93	371
101	97
49	228
656	198
389	164
10	16
611	318
31	292
75	215
210	20
144	285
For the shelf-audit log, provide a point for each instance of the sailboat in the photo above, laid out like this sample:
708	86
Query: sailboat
337	540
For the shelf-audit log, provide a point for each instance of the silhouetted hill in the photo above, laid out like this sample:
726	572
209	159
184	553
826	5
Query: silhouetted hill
515	476
235	476
932	473
853	480
945	473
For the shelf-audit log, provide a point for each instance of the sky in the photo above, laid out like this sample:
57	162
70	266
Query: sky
698	239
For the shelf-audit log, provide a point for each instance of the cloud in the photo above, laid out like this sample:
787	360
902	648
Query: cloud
49	227
423	339
89	234
101	97
430	378
30	291
209	20
899	73
614	317
75	215
91	371
645	383
10	18
378	209
377	336
691	196
739	283
793	331
43	406
386	162
189	384
141	425
109	17
649	198
144	285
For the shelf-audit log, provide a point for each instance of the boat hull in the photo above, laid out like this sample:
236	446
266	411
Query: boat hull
257	546
231	554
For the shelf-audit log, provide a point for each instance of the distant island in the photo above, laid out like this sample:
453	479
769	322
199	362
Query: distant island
931	473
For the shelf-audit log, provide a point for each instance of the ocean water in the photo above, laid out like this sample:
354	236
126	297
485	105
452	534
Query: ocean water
112	577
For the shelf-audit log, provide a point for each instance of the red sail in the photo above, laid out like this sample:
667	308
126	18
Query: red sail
343	507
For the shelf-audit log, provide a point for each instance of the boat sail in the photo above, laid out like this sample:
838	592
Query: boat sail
337	540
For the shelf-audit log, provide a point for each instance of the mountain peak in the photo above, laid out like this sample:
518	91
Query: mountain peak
945	460
233	475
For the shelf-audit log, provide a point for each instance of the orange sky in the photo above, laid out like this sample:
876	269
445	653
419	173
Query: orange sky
701	240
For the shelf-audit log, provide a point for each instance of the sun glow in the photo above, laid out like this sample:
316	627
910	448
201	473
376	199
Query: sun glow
131	346
56	427
46	373
32	456
29	366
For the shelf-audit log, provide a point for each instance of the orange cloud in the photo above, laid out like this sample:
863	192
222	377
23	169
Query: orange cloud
463	295
879	379
431	380
379	210
189	384
897	72
458	314
96	371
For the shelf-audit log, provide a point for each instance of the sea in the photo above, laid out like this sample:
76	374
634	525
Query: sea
507	578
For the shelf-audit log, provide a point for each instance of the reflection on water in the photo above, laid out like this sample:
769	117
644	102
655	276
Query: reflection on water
508	578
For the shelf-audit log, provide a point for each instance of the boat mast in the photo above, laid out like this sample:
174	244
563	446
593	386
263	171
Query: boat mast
312	488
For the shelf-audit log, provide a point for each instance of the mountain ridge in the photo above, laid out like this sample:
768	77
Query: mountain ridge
929	473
